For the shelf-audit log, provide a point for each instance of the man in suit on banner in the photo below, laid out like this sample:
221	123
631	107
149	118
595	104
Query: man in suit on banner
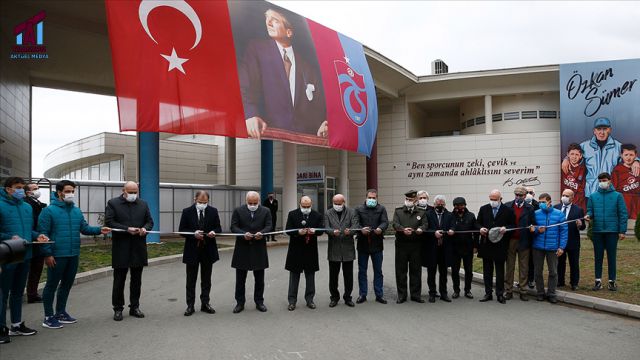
571	211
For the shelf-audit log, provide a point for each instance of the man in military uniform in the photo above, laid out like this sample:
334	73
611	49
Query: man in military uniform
409	222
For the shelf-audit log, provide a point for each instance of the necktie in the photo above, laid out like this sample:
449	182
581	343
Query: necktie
251	214
201	219
495	212
565	210
287	63
439	220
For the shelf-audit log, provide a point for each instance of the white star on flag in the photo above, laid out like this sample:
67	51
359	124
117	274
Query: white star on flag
175	62
346	59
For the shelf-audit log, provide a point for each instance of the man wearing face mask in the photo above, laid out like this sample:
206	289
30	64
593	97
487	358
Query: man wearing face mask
129	247
438	255
548	244
571	211
410	223
62	222
200	249
341	250
519	243
373	219
530	199
250	252
608	214
32	191
16	219
463	246
302	255
494	251
423	200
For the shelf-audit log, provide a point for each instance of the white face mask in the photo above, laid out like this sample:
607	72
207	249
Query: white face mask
565	200
494	203
253	207
528	198
604	185
200	206
338	208
35	194
422	202
69	198
131	197
409	203
305	211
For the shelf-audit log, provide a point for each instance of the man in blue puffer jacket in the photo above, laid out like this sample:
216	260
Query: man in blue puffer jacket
16	219
607	212
549	243
63	222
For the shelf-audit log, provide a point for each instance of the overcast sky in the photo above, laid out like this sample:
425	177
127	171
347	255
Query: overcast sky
466	35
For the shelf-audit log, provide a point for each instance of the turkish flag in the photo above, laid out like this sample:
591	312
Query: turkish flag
175	67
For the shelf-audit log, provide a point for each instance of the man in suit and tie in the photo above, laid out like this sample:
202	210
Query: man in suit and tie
250	252
440	254
272	204
200	249
571	211
280	89
341	250
493	250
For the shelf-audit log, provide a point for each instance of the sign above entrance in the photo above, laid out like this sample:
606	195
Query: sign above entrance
310	174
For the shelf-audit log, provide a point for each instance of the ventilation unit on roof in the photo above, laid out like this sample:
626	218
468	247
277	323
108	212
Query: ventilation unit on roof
439	67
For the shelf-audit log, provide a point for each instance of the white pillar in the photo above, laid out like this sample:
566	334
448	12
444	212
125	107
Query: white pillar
290	183
230	161
344	175
488	115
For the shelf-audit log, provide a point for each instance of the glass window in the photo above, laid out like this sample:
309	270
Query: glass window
96	199
94	172
496	117
182	198
480	120
84	173
512	115
470	123
82	193
104	171
529	114
115	170
548	114
166	200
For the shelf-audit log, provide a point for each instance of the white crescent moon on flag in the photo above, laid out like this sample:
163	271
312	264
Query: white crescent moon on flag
146	6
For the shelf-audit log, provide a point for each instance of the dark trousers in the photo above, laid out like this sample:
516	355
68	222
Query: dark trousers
539	257
602	241
274	218
12	282
347	275
467	261
363	263
35	272
258	287
294	284
488	266
408	259
63	274
205	282
135	284
441	267
574	265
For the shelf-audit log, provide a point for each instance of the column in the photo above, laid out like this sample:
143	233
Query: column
344	176
149	177
230	161
290	180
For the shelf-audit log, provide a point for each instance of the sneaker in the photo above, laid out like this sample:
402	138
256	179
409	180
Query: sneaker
21	330
65	318
597	286
50	322
4	335
612	285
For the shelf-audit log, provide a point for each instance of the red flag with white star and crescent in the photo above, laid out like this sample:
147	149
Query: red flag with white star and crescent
175	67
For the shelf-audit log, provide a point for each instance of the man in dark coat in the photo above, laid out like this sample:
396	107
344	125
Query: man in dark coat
271	203
200	250
302	255
373	220
410	223
128	248
494	254
250	252
440	256
37	260
463	246
341	250
519	243
571	212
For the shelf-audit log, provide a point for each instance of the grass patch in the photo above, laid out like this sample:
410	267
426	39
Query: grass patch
628	272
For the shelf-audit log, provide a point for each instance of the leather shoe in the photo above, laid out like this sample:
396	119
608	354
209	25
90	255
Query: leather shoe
509	296
117	315
524	297
333	303
540	297
487	298
349	303
574	287
401	300
311	305
468	295
501	299
381	300
238	308
261	307
291	307
135	312
418	300
361	299
456	294
432	298
207	309
445	298
553	300
190	310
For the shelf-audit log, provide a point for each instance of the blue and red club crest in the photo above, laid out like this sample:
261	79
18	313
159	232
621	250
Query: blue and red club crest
353	92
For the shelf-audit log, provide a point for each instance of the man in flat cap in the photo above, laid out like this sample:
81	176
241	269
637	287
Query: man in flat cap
463	246
409	222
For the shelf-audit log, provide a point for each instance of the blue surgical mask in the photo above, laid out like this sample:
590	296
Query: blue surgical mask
372	203
19	194
543	205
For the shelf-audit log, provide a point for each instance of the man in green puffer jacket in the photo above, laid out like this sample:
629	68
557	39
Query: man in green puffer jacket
63	222
608	214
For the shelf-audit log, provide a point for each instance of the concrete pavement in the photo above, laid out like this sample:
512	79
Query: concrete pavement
462	329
